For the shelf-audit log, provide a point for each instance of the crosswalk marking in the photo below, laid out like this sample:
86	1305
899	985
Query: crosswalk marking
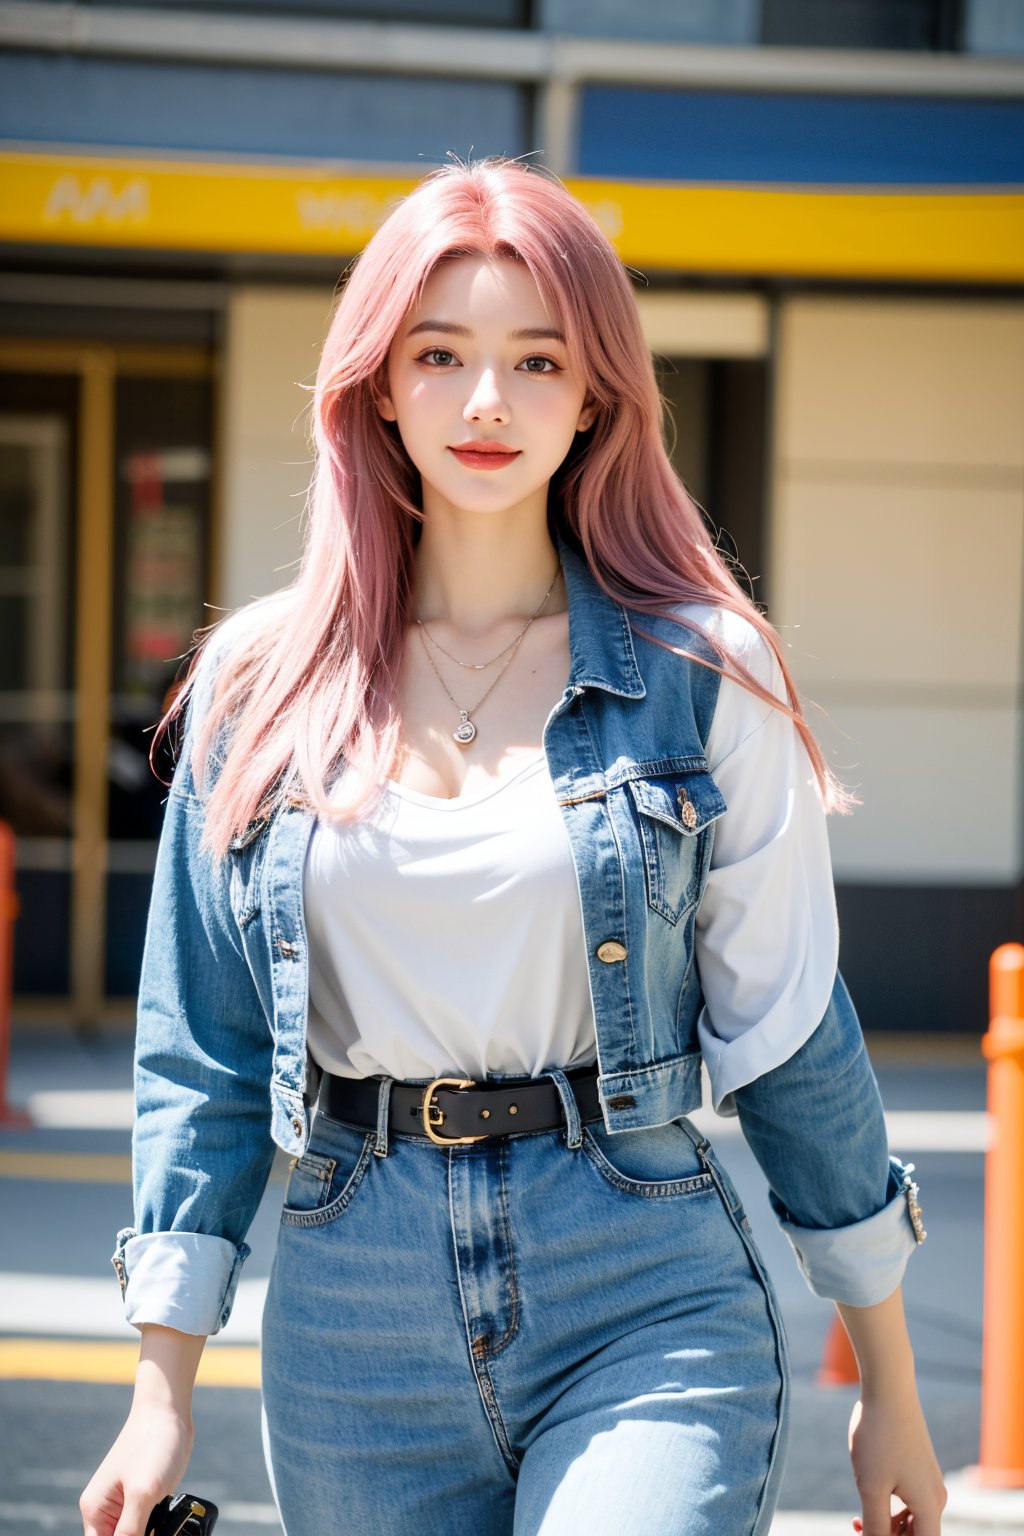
65	1167
58	1517
90	1307
110	1361
85	1167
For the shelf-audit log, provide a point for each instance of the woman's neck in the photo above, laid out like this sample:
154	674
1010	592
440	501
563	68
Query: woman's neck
484	572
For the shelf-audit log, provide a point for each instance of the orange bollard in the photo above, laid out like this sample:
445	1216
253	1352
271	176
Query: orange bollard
9	1118
838	1362
1001	1458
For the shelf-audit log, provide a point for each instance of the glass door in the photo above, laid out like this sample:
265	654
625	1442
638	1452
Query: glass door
37	618
105	513
160	581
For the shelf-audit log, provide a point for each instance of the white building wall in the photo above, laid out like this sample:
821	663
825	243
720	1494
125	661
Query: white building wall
272	347
896	562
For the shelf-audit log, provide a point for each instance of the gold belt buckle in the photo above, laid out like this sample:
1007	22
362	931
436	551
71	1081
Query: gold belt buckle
433	1114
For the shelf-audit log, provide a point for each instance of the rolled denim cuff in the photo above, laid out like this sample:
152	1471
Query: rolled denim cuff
863	1263
183	1280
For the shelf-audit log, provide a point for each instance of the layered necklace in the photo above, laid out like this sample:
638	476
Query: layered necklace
466	731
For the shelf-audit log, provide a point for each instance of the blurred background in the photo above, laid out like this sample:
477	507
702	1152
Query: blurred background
823	204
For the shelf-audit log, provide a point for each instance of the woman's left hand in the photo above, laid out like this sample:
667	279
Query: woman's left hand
892	1453
890	1446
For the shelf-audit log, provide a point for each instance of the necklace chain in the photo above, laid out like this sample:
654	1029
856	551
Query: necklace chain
473	666
481	666
466	731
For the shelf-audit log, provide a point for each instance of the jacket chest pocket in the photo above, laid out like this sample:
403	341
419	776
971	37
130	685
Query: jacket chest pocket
246	853
676	814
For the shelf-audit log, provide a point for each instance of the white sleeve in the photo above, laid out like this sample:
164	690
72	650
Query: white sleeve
767	936
182	1280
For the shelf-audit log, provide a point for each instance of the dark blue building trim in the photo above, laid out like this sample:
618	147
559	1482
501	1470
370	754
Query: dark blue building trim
734	136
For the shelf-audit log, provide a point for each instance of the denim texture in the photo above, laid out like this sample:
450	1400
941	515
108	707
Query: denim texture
548	1333
222	1072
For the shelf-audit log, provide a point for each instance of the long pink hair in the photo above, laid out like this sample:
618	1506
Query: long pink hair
310	683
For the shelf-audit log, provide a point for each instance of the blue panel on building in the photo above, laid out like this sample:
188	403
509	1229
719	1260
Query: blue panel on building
698	21
994	26
745	137
234	110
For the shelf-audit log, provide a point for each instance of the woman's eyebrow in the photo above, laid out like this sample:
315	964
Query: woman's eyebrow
449	328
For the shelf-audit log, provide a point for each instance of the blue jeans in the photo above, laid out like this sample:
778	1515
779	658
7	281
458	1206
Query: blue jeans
544	1334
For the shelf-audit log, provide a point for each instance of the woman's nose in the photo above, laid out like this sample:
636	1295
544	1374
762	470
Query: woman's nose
486	401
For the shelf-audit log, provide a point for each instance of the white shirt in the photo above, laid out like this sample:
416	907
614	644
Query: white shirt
446	937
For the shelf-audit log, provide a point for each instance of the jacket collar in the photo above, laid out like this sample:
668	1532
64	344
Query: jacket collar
600	641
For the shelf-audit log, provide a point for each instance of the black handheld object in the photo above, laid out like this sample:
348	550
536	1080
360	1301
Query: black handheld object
182	1515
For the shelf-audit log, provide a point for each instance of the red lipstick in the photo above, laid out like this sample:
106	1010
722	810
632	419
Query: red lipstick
484	455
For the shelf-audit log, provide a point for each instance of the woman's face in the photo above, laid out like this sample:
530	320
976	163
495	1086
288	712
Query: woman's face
480	386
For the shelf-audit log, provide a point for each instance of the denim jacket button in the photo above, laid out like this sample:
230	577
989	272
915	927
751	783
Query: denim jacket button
687	811
610	951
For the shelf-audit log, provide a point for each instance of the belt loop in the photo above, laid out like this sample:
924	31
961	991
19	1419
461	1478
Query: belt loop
573	1127
380	1141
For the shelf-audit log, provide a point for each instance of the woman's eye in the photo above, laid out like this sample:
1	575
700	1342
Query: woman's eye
539	365
438	357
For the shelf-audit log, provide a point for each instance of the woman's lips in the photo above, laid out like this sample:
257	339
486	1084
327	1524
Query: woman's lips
485	458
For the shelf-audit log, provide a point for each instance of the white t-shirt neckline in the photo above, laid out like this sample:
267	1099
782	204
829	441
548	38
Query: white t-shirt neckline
475	797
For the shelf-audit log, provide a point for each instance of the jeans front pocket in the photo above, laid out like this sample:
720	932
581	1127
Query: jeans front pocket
657	1162
323	1182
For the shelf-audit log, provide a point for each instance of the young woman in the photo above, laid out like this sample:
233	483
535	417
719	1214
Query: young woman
489	829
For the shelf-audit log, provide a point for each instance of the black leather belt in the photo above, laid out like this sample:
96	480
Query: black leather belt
454	1110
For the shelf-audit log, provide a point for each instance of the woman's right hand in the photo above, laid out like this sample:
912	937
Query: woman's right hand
146	1462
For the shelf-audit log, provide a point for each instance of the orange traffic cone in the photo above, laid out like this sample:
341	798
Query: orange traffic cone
838	1362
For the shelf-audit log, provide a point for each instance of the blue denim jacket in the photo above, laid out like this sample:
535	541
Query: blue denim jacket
222	1072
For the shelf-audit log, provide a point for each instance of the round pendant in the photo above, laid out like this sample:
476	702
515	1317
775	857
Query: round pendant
465	731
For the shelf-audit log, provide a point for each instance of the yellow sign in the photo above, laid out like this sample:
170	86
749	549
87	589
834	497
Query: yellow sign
63	198
190	205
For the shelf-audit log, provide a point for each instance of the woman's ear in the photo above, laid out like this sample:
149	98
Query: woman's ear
381	396
587	416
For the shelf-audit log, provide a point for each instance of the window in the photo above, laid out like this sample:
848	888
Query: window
463	13
908	24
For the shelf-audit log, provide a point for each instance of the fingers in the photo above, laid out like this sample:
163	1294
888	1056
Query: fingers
116	1511
100	1510
902	1523
135	1513
926	1518
875	1517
